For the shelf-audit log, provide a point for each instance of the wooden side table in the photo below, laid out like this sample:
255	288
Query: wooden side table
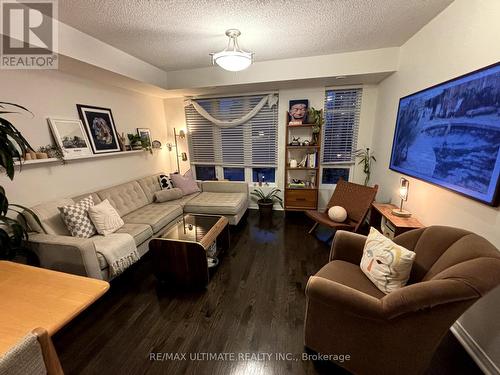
399	224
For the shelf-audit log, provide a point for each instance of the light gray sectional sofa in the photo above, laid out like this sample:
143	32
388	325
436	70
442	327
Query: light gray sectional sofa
143	218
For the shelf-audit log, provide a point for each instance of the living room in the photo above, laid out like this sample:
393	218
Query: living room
228	158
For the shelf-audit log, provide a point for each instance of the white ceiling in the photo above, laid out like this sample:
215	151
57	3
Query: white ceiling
179	34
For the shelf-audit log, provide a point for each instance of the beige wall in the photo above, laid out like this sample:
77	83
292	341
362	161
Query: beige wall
55	94
464	37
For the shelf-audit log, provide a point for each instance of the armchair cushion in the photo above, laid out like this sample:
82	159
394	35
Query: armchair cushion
385	263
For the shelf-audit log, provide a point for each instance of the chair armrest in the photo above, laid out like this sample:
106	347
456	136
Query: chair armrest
225	187
67	254
426	295
343	298
347	246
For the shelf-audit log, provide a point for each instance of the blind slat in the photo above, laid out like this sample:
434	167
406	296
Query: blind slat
340	130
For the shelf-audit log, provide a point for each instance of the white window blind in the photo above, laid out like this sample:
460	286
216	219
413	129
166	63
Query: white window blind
253	143
340	130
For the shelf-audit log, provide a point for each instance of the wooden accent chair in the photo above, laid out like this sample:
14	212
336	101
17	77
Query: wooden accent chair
356	199
397	333
33	355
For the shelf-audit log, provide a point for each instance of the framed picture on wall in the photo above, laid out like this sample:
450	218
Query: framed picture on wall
70	136
145	135
100	128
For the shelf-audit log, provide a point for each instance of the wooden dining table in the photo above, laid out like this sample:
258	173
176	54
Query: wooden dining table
32	297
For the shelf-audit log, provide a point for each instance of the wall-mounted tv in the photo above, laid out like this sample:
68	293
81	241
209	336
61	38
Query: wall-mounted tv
449	135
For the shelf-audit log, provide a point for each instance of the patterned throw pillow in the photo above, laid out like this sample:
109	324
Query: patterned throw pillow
76	218
385	263
105	218
165	182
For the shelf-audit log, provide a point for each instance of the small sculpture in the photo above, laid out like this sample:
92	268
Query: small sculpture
295	141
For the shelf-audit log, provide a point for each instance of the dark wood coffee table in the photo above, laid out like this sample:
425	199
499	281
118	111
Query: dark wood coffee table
180	252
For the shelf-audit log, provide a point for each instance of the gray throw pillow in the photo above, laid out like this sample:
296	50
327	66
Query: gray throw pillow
168	195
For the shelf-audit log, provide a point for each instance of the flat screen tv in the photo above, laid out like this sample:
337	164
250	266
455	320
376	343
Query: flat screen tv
449	135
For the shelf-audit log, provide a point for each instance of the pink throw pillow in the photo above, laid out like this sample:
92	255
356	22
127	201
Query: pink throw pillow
186	183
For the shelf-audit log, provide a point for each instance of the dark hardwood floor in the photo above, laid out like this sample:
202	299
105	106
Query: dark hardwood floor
254	303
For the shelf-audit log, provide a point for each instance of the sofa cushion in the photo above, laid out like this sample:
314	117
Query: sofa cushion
157	215
50	217
94	196
150	186
350	275
182	201
217	203
125	198
140	232
167	195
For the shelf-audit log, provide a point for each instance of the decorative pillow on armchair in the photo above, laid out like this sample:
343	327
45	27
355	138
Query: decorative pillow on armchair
76	218
186	183
385	263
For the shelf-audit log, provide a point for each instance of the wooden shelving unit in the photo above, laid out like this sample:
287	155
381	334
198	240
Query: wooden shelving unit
301	198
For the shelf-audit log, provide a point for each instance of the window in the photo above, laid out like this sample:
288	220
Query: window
263	174
250	145
340	131
205	172
234	174
332	175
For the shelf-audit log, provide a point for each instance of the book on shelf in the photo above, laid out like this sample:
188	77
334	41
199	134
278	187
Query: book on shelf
311	160
297	185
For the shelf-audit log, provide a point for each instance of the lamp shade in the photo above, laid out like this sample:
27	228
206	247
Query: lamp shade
233	61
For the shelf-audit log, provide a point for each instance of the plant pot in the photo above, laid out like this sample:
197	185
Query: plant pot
136	146
265	207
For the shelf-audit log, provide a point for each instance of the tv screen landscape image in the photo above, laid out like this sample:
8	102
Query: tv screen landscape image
449	135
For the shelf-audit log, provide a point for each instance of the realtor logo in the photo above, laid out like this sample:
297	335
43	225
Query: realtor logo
29	34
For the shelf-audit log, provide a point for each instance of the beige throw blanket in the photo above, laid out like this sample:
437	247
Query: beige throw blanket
118	249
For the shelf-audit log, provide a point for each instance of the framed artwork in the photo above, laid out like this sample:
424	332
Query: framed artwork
297	111
449	135
100	128
145	135
70	137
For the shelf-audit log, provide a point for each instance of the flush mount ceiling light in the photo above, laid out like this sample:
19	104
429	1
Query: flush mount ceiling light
233	58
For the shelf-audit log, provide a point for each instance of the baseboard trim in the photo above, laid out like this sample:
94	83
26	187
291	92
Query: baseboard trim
475	351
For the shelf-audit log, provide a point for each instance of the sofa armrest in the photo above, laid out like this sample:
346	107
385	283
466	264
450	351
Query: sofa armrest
347	246
343	298
225	187
67	254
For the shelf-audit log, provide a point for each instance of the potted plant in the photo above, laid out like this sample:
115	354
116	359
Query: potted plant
266	200
315	116
366	158
135	141
13	145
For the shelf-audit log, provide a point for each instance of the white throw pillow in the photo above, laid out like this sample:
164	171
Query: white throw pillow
385	263
105	218
337	214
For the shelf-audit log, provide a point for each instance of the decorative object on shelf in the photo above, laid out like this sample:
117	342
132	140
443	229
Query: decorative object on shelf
100	128
123	140
337	214
184	156
297	113
53	152
70	137
306	142
42	155
404	186
293	163
145	135
135	141
232	58
303	162
296	183
311	160
156	144
315	116
12	146
295	141
366	158
266	200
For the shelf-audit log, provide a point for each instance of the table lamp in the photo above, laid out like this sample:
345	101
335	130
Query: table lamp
404	185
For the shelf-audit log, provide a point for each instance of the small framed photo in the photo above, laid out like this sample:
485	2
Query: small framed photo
145	135
100	128
297	112
70	137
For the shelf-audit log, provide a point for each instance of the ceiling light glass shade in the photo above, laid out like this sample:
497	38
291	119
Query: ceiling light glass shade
233	58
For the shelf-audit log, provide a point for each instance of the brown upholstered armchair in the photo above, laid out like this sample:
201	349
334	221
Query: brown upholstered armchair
397	333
